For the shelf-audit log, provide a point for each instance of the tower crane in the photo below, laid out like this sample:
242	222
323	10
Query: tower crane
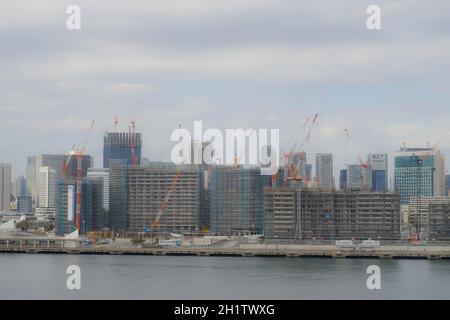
156	223
363	165
78	153
292	171
132	142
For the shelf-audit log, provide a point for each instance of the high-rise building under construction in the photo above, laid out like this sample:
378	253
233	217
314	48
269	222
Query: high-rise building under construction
141	194
125	146
92	214
236	200
304	214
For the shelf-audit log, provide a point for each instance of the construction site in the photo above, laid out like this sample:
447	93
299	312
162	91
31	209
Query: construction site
164	203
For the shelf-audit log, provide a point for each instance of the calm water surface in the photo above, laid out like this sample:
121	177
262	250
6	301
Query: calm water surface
24	276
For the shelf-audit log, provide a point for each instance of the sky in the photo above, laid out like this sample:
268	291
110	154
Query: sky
230	63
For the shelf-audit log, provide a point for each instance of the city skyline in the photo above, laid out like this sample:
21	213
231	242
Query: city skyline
188	62
97	164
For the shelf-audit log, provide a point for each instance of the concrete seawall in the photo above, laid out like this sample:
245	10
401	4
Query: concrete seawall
291	251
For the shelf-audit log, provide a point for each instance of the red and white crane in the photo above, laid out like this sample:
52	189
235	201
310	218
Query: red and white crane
78	153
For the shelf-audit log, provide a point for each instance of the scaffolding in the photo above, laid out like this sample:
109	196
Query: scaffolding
147	191
439	221
349	215
280	219
237	201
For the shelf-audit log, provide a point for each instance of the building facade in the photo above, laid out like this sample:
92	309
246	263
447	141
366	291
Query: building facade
280	213
5	187
343	180
173	190
419	172
324	171
92	216
71	164
298	161
348	215
31	178
117	219
308	173
359	178
54	162
237	200
102	174
47	187
123	146
447	185
379	165
20	187
439	221
420	214
24	205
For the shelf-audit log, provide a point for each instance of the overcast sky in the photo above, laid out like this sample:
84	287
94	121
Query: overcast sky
231	63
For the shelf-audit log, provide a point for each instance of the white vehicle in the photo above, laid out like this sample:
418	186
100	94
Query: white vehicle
369	245
170	243
346	245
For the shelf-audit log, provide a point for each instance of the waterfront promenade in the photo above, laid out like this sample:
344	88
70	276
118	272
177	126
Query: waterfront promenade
68	246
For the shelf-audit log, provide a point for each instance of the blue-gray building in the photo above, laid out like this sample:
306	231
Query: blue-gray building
447	185
24	205
125	146
308	172
236	201
379	165
424	179
71	164
343	179
92	217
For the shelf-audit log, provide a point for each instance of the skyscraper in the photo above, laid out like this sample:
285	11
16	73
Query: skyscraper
298	160
308	172
47	187
379	165
53	161
122	146
359	177
31	178
324	171
101	174
343	179
447	185
419	172
71	161
5	187
118	195
20	187
92	216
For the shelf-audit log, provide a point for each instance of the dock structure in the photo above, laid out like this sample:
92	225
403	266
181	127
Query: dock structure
70	246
